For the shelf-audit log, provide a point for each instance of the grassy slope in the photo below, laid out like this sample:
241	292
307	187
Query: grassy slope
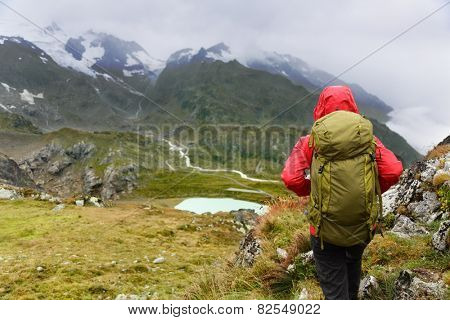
224	93
16	123
76	247
286	227
230	93
155	180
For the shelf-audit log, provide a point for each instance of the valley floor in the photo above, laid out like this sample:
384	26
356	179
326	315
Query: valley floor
100	253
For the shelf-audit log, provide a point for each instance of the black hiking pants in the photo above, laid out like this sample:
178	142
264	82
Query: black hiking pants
338	269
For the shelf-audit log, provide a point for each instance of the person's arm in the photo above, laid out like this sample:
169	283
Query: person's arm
389	167
293	174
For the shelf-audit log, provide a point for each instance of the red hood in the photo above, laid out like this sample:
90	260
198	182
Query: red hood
335	98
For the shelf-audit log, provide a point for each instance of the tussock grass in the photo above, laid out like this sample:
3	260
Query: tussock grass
285	226
438	151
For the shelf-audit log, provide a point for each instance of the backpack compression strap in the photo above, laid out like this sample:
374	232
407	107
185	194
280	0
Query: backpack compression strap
380	198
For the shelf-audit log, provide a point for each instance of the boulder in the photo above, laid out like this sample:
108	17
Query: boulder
407	286
249	250
118	180
6	194
440	238
11	174
79	203
80	151
95	202
422	210
402	285
429	170
404	227
244	218
59	165
367	287
90	181
40	158
409	186
390	199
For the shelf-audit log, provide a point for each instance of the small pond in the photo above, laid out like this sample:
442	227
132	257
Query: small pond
214	205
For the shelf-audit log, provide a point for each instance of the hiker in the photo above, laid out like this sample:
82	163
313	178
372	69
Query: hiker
344	169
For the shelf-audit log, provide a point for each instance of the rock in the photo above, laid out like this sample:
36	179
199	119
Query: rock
408	186
40	158
40	269
282	254
249	250
445	141
159	260
95	201
440	238
11	174
44	196
79	203
59	207
48	197
245	218
423	209
59	165
130	297
6	194
367	287
390	198
80	150
123	179
303	295
90	181
435	216
407	286
424	289
402	285
404	227
429	171
54	199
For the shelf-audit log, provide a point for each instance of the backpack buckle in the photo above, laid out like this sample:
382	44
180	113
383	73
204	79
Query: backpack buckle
321	168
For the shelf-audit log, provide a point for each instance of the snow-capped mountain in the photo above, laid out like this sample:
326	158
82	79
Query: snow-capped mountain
219	51
90	53
293	68
113	54
301	73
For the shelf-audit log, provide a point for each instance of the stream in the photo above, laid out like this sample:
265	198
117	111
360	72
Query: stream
183	151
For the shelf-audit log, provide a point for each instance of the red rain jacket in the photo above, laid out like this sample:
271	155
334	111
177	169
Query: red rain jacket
332	99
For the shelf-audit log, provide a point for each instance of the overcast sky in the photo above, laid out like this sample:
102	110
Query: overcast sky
412	74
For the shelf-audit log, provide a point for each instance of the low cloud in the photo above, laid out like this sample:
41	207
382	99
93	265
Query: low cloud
410	74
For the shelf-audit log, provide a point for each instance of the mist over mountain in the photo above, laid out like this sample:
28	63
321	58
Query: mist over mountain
97	81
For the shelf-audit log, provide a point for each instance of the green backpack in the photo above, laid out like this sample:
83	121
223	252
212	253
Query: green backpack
345	201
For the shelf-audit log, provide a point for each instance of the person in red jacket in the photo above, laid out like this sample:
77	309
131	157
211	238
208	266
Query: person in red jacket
338	268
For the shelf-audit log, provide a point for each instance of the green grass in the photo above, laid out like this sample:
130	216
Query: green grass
189	183
98	253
